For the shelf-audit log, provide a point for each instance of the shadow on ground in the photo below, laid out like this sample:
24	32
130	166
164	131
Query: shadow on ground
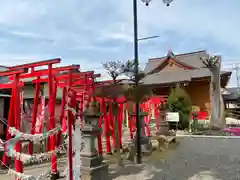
126	170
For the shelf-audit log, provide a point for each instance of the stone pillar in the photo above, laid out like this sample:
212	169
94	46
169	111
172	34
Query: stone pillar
146	144
93	167
164	127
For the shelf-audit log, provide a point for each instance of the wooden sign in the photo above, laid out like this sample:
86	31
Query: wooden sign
172	117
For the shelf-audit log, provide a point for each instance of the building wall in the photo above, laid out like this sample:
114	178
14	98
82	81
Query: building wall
29	92
45	92
162	91
199	93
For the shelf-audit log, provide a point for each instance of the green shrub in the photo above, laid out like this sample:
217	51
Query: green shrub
179	101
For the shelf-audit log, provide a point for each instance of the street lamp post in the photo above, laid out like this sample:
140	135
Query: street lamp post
138	123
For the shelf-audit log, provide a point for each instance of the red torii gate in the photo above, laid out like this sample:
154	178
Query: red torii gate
65	81
52	88
108	117
14	111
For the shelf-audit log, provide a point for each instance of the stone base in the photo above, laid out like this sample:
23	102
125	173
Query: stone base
55	176
146	145
163	130
91	161
109	153
4	167
95	173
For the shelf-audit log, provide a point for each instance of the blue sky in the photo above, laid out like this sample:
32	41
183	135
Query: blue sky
93	31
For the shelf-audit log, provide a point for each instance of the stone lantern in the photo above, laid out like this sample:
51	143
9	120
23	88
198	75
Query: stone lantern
93	167
164	127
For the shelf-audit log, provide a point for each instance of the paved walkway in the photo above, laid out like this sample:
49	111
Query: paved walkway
192	159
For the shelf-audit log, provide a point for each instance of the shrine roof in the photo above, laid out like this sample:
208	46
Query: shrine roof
192	60
168	77
189	59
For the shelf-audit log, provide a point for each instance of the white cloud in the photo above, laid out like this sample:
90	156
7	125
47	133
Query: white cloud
217	19
14	12
88	32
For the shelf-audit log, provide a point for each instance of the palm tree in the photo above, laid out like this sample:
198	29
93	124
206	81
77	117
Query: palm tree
213	63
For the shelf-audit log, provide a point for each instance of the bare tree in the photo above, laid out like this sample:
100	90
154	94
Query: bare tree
113	91
117	89
213	63
135	93
114	69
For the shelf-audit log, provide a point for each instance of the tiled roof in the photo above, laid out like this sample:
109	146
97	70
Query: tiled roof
178	75
165	77
190	59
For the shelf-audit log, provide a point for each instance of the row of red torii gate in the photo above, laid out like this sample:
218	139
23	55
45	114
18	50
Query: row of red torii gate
77	89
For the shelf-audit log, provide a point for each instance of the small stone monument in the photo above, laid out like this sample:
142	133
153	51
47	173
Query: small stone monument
164	127
93	167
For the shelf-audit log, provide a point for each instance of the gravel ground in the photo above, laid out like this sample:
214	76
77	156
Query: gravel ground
192	159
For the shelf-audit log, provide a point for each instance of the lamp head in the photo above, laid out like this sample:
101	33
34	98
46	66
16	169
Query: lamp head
146	2
167	2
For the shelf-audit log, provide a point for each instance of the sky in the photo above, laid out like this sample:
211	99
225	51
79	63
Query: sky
93	31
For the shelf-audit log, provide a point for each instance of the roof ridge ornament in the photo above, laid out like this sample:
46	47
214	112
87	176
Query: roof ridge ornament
170	53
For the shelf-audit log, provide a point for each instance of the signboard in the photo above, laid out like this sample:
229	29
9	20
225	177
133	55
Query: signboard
172	117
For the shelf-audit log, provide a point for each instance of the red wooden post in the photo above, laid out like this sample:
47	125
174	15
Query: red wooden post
129	122
63	103
133	119
120	119
54	102
34	114
81	100
147	119
156	116
106	127
52	121
99	137
18	163
111	118
10	123
15	85
70	121
86	100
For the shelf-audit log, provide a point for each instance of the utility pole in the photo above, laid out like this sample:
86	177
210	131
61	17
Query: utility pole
136	62
237	68
138	125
